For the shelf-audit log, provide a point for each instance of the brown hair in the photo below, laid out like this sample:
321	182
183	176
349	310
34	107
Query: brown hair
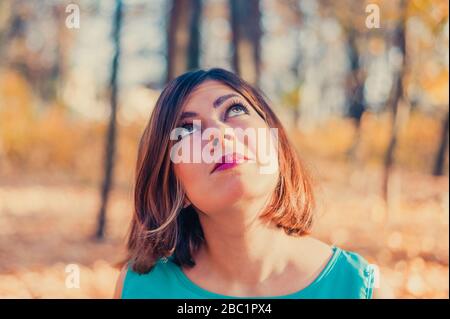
160	226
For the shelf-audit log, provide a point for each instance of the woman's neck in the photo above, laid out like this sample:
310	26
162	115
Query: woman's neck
249	252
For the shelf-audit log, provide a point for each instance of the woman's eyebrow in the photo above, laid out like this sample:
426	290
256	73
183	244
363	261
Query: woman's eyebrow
216	104
223	98
187	114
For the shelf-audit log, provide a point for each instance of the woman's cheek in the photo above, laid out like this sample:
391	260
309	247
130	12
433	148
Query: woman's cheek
192	178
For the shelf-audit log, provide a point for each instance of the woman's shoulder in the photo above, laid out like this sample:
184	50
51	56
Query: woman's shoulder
347	260
355	272
354	261
344	274
162	268
133	284
120	281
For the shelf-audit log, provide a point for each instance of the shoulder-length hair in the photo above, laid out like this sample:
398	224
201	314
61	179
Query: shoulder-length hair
160	226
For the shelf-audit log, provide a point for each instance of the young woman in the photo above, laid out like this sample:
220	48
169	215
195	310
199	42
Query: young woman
227	227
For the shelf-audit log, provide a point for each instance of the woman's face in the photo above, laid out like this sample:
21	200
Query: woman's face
217	121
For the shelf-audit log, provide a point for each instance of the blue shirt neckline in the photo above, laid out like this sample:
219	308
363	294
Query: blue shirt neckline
204	293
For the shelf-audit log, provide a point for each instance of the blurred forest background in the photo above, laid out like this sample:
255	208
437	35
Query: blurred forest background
367	109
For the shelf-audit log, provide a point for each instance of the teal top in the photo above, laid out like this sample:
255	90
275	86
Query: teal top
347	275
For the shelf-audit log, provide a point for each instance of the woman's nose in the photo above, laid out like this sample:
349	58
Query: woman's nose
222	138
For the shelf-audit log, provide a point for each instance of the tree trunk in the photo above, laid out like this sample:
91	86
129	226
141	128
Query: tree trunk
195	33
297	65
183	37
355	91
443	149
111	134
64	40
397	94
245	19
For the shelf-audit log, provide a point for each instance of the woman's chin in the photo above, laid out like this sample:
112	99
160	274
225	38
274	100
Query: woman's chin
236	189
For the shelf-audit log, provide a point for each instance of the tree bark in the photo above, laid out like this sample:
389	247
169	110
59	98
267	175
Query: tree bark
245	17
183	37
438	169
355	91
112	127
397	94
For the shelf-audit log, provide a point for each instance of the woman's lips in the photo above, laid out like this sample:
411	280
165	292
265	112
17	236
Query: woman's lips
229	161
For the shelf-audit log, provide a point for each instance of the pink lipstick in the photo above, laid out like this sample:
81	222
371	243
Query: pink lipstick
229	161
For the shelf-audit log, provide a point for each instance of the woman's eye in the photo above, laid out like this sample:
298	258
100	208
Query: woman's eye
236	109
186	129
188	126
